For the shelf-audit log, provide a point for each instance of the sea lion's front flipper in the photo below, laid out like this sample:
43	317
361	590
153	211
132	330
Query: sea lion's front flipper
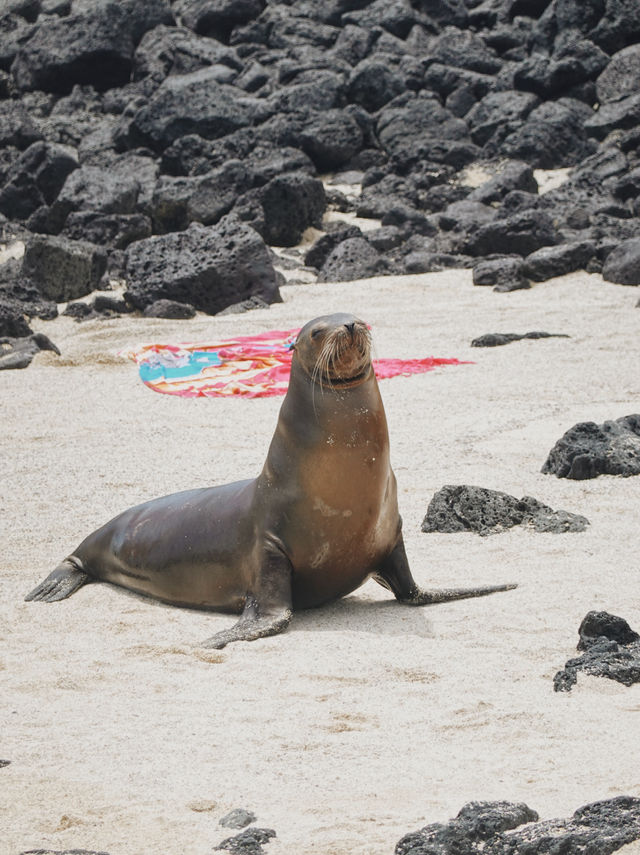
60	583
267	612
396	576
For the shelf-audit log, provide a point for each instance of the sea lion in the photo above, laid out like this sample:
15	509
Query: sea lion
320	519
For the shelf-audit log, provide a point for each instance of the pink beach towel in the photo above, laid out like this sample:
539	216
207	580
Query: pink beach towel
255	366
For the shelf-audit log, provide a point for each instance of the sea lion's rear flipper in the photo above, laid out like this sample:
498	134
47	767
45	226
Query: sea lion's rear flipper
251	625
269	611
60	584
396	576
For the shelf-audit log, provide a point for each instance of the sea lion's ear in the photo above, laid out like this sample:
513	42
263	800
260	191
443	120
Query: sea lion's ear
292	346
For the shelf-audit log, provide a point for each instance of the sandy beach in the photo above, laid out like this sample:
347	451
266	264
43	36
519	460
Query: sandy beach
366	719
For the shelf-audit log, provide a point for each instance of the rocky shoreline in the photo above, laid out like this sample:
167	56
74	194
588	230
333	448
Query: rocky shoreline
172	146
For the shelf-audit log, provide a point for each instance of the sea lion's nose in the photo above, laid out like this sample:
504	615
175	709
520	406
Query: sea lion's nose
350	328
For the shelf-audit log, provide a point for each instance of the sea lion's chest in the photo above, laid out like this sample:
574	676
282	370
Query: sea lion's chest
335	494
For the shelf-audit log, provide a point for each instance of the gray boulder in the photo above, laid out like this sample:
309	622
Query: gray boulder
93	47
351	259
291	203
506	828
612	649
63	269
550	261
621	77
210	267
465	508
587	450
217	18
36	178
614	115
522	233
622	265
193	103
504	273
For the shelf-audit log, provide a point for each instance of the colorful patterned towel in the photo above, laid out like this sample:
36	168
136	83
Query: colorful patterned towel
252	366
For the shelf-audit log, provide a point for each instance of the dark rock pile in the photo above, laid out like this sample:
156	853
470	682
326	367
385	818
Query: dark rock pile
248	842
18	352
507	828
499	339
587	450
171	143
464	508
611	649
62	852
237	818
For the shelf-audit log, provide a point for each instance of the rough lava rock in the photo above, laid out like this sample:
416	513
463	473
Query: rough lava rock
237	818
507	828
63	269
62	852
248	842
499	339
611	649
206	266
587	450
18	352
457	508
622	264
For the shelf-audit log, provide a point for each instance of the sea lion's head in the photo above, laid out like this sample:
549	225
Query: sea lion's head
335	350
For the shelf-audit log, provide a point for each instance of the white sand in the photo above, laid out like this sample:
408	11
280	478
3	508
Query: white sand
366	719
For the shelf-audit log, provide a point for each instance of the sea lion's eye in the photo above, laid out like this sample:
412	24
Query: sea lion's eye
316	332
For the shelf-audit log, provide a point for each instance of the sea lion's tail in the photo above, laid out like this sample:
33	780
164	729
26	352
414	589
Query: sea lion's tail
445	595
61	583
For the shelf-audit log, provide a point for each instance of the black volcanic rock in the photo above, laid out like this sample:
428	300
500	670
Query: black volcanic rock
170	309
217	18
596	625
19	352
64	269
499	339
587	450
457	508
616	115
621	76
94	47
513	175
503	272
116	231
550	261
318	253
331	139
622	265
612	649
166	50
552	135
498	114
248	842
374	82
36	178
12	318
507	828
210	267
194	103
17	127
521	233
178	201
353	258
291	203
409	119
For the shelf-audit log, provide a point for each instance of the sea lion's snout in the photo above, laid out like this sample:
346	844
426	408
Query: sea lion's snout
335	349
